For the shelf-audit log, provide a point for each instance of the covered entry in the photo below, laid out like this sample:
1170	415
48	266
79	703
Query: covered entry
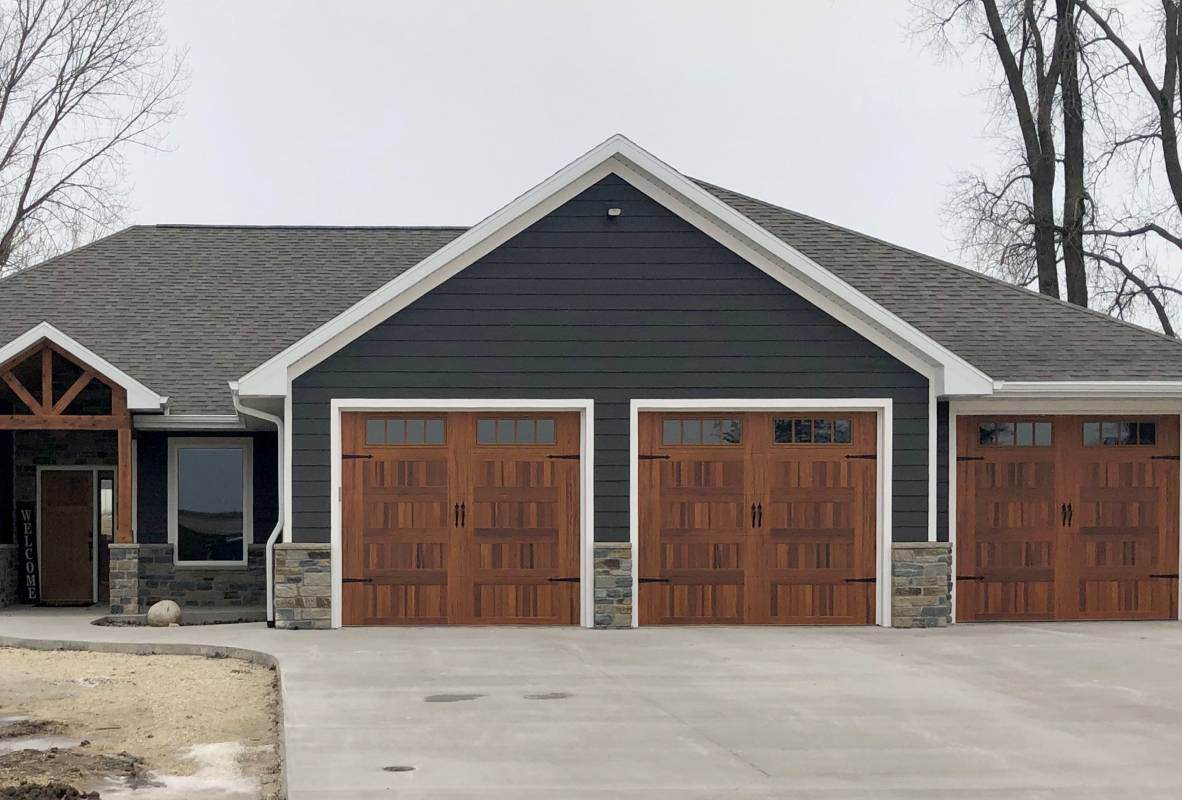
461	518
1067	517
764	518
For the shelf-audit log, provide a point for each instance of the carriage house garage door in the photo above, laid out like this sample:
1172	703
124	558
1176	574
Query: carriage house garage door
462	518
764	518
1067	517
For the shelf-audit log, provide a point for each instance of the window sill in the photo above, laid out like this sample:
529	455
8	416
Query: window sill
203	565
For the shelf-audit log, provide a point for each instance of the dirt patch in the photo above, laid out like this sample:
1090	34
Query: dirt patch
47	791
138	724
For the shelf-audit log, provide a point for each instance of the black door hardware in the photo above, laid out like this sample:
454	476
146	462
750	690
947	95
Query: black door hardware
969	578
970	458
652	580
759	515
347	456
645	457
463	514
1068	513
566	457
867	456
1164	458
1173	575
356	580
753	515
861	580
563	580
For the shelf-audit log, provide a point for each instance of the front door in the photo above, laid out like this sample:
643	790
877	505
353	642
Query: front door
67	536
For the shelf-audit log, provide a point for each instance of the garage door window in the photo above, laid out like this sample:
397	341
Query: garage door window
515	431
1014	434
1110	433
709	431
404	431
813	431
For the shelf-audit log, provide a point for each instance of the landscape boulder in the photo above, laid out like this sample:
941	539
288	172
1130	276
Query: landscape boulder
163	614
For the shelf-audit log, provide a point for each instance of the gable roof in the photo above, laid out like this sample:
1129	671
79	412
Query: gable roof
186	309
618	155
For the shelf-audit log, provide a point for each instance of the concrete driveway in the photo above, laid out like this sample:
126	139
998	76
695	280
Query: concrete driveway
1091	710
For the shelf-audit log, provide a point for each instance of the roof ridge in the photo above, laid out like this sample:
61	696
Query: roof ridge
1029	293
189	225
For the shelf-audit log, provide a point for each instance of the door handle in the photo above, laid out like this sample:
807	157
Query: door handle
1070	514
457	522
1063	511
463	514
759	507
753	515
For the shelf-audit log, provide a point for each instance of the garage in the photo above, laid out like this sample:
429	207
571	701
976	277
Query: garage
460	518
757	518
1067	517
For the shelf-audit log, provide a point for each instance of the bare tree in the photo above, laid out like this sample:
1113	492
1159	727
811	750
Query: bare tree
81	81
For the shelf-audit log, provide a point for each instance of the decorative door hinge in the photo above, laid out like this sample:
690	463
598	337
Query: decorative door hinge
1173	575
970	458
563	580
356	580
652	580
356	455
566	457
969	578
866	456
646	457
1165	458
861	580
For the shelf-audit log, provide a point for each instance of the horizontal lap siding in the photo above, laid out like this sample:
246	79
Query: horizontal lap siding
580	305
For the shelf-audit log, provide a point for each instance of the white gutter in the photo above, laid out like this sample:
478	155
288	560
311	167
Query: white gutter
269	555
1077	389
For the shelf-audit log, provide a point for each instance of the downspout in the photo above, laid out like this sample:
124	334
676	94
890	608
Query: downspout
269	555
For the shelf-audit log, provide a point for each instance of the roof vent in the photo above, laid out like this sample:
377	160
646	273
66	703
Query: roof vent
614	212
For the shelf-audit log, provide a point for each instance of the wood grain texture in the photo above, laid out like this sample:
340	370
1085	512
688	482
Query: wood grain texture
67	536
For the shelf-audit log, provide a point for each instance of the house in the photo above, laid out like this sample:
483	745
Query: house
628	397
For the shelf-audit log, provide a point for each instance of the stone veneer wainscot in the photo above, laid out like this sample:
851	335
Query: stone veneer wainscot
303	586
921	584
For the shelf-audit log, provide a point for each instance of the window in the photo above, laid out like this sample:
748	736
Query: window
515	431
210	504
1023	433
403	431
710	431
812	431
1115	433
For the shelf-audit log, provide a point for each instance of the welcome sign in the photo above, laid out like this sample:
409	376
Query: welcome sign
26	539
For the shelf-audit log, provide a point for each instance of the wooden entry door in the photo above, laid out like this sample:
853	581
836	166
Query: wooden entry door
757	518
67	536
1067	518
460	518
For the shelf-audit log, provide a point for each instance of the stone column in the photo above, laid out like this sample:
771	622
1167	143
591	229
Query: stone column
613	585
303	585
126	597
921	585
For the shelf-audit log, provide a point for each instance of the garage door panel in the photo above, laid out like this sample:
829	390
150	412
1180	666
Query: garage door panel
1073	529
461	529
745	531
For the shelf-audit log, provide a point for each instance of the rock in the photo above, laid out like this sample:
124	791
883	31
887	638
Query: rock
163	614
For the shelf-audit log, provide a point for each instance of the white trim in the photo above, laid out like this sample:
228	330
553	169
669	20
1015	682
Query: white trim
1061	406
139	397
288	449
95	533
663	183
189	422
1099	389
586	409
883	406
246	445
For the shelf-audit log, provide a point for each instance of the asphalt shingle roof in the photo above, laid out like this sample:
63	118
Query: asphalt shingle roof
1009	332
185	309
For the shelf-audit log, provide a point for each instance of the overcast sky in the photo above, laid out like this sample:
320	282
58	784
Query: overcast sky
402	113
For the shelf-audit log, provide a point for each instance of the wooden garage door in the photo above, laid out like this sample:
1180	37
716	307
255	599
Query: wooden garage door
1067	517
757	518
460	518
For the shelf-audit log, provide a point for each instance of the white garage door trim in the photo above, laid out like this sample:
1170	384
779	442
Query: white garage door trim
586	409
882	406
1063	406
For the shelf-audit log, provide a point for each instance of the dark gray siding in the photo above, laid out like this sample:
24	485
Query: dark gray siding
7	512
580	305
942	470
152	492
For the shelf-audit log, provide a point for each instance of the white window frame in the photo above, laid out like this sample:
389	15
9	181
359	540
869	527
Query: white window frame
246	445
